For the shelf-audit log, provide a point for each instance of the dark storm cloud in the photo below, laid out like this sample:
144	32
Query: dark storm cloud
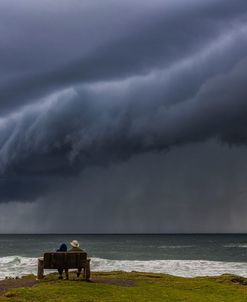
136	44
70	132
86	86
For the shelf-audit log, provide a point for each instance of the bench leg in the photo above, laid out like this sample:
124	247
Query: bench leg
40	269
66	273
87	270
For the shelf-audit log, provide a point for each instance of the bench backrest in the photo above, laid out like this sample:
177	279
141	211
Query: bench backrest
66	260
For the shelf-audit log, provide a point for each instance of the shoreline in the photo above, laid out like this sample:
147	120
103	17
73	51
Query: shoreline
21	266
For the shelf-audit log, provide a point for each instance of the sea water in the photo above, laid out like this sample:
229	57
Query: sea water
181	255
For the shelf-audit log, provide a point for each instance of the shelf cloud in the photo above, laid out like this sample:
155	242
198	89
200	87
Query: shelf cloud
89	89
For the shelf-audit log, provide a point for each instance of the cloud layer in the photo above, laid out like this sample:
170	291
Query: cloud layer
91	85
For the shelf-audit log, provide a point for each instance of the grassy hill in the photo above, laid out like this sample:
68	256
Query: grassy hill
124	287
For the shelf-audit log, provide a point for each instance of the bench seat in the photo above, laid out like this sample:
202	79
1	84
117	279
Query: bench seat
64	260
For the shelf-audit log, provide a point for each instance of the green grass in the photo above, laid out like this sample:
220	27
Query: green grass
146	287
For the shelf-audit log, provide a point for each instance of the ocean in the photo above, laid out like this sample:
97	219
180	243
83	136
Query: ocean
181	255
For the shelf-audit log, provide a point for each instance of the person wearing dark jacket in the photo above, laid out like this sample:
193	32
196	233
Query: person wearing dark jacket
63	248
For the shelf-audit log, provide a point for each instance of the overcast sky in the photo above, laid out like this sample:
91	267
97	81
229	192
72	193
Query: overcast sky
123	116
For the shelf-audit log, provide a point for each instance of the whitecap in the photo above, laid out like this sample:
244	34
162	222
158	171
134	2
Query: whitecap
240	245
183	268
13	266
175	246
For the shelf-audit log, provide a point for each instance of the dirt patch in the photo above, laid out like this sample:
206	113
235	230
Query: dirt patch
239	280
118	282
15	283
7	284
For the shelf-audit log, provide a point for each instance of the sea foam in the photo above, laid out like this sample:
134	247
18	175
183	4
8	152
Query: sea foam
13	266
183	268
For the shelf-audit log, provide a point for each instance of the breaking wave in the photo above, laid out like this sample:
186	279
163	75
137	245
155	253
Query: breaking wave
183	268
13	266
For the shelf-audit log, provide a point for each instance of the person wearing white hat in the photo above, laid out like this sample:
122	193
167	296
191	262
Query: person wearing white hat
76	248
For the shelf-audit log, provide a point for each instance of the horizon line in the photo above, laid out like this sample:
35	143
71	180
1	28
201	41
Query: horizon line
175	233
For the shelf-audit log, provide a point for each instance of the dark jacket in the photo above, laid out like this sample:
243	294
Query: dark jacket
75	249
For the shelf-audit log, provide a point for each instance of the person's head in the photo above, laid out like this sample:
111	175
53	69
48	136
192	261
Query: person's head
63	248
74	243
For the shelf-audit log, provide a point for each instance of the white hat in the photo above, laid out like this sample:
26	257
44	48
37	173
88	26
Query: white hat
75	243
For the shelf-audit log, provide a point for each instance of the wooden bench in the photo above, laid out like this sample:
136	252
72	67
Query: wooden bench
64	260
